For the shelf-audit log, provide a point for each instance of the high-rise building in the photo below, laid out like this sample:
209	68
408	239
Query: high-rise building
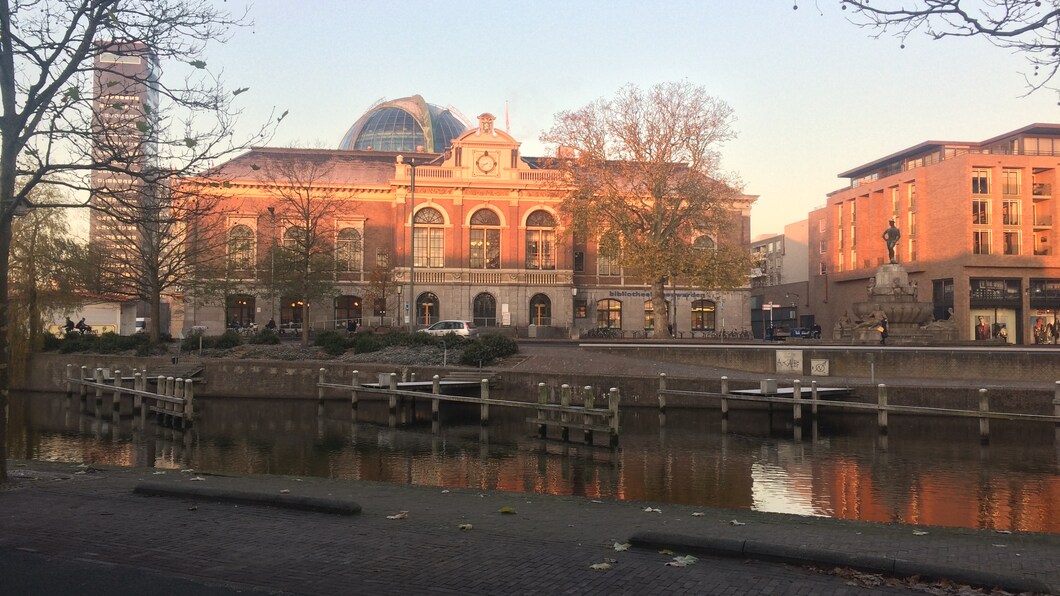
124	109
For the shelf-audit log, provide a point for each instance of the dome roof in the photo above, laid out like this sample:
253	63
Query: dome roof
405	125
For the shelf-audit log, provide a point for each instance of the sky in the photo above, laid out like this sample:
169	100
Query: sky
813	94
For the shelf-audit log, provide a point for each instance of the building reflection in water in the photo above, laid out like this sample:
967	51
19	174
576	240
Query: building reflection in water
928	471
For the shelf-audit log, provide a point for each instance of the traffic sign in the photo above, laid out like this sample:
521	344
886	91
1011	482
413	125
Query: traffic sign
770	306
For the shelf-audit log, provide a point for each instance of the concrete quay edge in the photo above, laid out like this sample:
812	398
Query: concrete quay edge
803	555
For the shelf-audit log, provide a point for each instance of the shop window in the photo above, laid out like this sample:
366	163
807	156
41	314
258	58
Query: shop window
239	310
347	308
703	314
649	314
609	314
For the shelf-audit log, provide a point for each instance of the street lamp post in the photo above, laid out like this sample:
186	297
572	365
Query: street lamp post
795	306
412	241
272	267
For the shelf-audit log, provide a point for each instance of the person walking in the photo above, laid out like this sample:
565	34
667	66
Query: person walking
882	328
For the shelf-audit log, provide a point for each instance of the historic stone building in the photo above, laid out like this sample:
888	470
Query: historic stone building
490	243
977	223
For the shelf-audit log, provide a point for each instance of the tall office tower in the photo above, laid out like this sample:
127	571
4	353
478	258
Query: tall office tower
125	104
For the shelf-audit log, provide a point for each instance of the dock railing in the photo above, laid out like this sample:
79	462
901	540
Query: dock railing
173	400
588	418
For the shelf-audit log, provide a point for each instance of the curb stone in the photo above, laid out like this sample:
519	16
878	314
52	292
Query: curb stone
798	555
245	497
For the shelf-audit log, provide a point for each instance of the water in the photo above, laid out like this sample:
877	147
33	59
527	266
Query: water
926	471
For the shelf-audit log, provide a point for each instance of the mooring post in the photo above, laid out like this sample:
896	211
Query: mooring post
484	392
881	400
796	400
69	382
117	391
984	422
356	382
662	393
564	417
612	409
724	400
160	389
320	386
189	401
138	384
1056	403
84	388
589	403
99	385
813	399
393	395
542	401
436	389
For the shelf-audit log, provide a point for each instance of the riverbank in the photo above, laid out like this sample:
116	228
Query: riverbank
411	539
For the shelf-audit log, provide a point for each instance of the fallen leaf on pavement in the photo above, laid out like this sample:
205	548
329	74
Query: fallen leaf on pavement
507	510
622	547
736	523
683	561
919	533
399	515
666	551
284	491
197	479
652	510
600	566
698	514
465	527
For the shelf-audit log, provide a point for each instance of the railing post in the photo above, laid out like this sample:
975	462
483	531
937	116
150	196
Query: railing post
662	393
612	408
320	389
138	384
392	402
724	400
84	388
564	417
484	393
69	382
796	399
160	389
881	415
813	398
99	383
542	400
984	422
589	403
189	401
117	391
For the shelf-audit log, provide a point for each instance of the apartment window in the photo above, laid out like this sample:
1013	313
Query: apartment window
540	240
912	249
853	213
823	247
839	239
853	237
912	195
1010	213
981	242
1010	182
839	263
980	181
821	226
980	212
823	269
484	240
579	261
606	265
1012	243
910	231
894	201
430	239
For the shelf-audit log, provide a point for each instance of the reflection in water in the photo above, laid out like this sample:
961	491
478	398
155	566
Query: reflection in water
926	471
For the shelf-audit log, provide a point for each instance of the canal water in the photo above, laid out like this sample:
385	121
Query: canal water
926	470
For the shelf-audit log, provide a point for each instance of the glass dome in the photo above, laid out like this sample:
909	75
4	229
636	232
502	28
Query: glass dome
405	125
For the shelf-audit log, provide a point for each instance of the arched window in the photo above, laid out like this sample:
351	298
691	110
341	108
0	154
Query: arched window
609	314
427	307
430	238
649	314
348	250
484	241
704	243
703	318
295	239
485	310
240	248
540	310
540	240
239	310
291	313
347	308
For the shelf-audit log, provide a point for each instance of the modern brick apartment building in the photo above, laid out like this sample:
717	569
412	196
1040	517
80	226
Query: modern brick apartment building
977	232
490	243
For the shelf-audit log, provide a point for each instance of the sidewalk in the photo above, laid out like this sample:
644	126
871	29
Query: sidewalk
91	519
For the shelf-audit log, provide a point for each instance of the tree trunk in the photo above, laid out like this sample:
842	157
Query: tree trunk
660	309
154	311
5	344
305	323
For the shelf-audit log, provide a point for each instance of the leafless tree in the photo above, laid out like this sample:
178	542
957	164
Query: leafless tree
50	133
645	181
1028	27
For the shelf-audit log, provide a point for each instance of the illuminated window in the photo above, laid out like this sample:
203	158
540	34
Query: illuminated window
609	314
240	248
540	241
703	315
348	250
484	241
430	238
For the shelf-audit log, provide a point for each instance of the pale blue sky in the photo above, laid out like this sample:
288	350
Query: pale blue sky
813	95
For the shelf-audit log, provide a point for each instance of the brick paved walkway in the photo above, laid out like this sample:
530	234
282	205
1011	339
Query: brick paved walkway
96	536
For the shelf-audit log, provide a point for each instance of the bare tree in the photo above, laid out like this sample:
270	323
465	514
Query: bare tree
50	133
1028	27
645	181
306	204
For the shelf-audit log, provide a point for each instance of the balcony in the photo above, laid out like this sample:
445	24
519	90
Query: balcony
1043	221
1041	191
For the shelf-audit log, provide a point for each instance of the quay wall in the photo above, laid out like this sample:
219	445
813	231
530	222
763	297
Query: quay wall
297	379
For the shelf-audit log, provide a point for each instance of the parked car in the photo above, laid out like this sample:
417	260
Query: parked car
465	328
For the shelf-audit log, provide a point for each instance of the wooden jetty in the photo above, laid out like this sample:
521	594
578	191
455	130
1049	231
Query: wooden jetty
564	416
172	401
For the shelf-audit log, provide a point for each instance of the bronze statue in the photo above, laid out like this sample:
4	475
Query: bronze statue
891	236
